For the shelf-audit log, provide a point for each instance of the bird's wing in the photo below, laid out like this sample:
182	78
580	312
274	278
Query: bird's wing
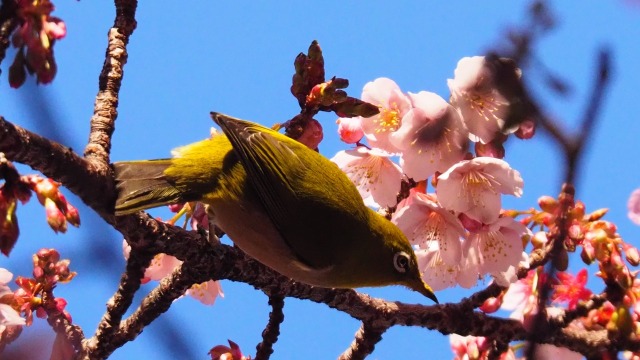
271	167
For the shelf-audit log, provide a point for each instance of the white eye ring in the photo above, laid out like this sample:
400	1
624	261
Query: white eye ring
401	262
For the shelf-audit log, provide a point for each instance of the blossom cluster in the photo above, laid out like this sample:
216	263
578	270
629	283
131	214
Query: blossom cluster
18	188
34	39
35	296
458	231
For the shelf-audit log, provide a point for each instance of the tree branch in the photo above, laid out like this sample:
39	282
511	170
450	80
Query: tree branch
367	336
99	345
272	330
105	109
94	186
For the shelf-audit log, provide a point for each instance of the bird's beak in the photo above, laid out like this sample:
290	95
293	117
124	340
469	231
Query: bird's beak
424	289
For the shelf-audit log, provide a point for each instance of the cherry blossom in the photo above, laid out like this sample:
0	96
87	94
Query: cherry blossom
474	94
473	187
424	221
431	137
206	292
373	173
571	289
393	104
162	265
435	272
474	348
498	246
8	315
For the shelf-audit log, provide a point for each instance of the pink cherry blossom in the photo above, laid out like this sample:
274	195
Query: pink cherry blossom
206	292
521	297
424	221
373	173
8	315
474	348
473	187
633	205
434	270
431	136
161	266
474	94
498	246
393	104
571	289
350	129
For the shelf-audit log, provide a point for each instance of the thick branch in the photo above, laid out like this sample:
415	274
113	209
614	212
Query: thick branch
95	187
105	108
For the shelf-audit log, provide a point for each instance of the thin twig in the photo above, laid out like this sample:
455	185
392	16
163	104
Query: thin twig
153	305
364	342
98	346
272	330
106	103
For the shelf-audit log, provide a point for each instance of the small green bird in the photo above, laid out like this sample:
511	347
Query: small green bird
282	203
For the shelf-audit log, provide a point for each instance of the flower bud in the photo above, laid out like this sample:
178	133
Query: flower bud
539	239
631	253
55	217
526	130
575	233
72	215
548	203
491	305
350	129
597	215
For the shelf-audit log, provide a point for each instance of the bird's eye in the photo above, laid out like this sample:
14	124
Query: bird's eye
401	262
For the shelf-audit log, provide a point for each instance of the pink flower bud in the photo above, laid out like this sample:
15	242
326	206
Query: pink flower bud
588	253
55	28
55	217
632	255
539	239
548	203
72	215
526	130
350	129
491	305
575	233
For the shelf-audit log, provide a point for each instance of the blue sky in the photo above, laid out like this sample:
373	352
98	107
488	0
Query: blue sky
189	58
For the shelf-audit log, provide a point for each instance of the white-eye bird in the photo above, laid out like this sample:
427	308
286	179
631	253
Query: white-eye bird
282	203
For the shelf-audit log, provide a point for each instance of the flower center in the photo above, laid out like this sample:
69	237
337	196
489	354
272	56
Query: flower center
388	120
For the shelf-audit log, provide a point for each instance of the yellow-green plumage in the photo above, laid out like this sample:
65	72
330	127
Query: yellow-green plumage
282	203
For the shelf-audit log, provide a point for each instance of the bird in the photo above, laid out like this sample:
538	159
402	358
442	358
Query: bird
280	202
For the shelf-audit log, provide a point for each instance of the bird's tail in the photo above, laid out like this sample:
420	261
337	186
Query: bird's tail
143	185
